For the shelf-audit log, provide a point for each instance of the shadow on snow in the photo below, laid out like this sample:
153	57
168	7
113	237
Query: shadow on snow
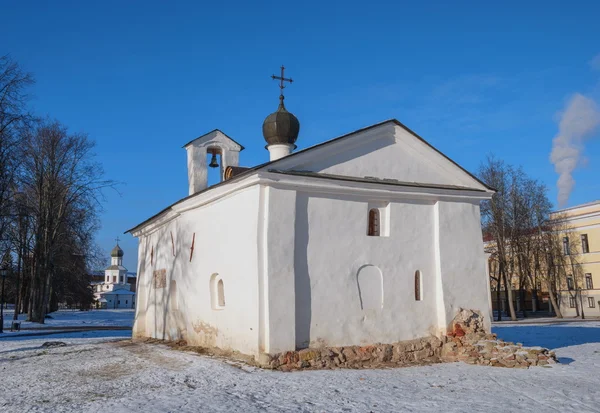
551	336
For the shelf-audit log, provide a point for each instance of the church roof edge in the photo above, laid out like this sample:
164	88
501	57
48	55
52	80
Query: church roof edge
208	133
374	180
319	145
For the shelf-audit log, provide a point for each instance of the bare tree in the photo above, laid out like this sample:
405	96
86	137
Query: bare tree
63	185
495	217
13	118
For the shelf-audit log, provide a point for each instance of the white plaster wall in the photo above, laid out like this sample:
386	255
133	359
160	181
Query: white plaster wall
197	169
119	301
225	243
331	246
277	269
462	261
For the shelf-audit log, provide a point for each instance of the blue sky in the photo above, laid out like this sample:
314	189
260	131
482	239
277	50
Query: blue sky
142	78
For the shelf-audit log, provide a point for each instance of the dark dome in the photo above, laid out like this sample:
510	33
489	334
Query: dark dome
117	252
281	127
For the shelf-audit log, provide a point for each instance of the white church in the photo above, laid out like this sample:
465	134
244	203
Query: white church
371	237
115	290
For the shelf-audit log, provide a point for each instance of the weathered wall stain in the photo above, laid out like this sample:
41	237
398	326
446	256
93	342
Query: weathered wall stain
159	278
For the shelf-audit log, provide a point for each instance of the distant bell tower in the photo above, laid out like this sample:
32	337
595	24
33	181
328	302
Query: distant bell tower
116	256
281	128
116	273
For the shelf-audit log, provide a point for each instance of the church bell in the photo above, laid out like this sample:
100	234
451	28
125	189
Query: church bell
213	161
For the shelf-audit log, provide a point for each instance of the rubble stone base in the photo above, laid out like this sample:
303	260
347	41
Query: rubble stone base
467	342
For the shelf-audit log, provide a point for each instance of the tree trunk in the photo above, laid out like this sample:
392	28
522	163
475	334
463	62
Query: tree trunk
509	295
552	297
499	299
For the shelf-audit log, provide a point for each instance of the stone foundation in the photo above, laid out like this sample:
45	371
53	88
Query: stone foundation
467	341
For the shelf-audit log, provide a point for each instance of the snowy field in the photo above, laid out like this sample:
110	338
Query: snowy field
100	371
76	318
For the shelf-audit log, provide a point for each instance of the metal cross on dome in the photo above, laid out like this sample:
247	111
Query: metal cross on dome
117	239
282	79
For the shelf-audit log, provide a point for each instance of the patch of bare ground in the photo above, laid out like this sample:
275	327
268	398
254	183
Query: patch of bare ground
138	348
233	358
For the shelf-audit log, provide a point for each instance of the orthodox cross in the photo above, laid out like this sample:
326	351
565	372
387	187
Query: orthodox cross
281	80
117	239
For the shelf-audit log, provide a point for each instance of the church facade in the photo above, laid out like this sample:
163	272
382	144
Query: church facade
372	237
115	291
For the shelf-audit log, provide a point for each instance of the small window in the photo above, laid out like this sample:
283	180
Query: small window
418	285
589	284
217	292
566	249
374	222
114	278
126	301
570	283
221	293
108	278
119	302
572	302
591	302
585	247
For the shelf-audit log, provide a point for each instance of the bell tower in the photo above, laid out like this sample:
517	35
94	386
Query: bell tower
217	145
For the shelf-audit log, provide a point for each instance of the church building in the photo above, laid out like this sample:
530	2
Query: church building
115	290
371	237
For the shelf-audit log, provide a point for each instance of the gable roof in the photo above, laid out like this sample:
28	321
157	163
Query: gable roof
271	164
213	131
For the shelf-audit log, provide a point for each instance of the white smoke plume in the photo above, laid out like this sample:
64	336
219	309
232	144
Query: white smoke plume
578	122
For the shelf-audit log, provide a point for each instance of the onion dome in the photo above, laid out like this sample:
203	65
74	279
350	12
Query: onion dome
117	252
281	127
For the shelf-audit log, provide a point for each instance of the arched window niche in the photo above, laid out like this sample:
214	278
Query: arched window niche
374	222
370	287
217	292
378	219
418	286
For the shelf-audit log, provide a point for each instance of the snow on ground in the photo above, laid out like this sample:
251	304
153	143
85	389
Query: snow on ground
98	371
73	318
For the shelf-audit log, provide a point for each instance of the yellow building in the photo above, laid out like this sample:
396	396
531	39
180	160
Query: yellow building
581	242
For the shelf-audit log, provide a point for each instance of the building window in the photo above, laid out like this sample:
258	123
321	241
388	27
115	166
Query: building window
588	282
221	293
108	278
591	302
374	222
114	278
570	283
418	285
119	302
585	247
566	249
126	301
572	302
217	292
